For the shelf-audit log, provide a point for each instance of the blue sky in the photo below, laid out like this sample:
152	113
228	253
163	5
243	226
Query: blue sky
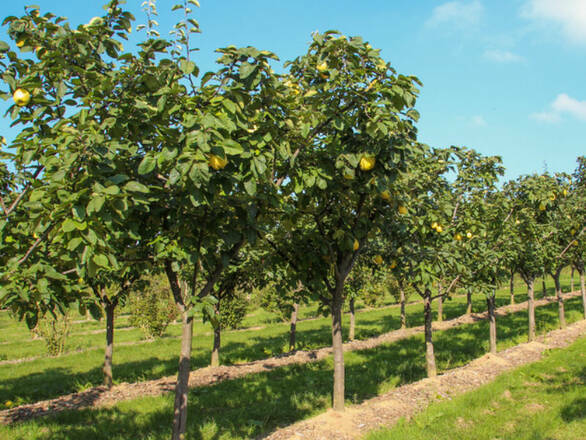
506	77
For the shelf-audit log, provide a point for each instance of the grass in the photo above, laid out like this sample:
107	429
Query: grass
544	400
47	377
250	406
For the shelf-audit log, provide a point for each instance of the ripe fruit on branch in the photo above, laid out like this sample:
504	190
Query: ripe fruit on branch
439	229
552	197
378	259
458	237
367	163
21	97
402	210
468	234
322	67
393	264
20	43
385	195
217	162
356	245
434	225
542	206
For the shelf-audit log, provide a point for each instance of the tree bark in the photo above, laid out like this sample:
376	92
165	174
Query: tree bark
293	328
337	347
429	354
572	279
352	320
543	287
403	313
182	387
560	298
109	352
440	304
469	302
512	287
490	301
582	290
215	360
531	308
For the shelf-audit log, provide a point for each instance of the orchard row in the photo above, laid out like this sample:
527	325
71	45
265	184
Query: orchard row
132	164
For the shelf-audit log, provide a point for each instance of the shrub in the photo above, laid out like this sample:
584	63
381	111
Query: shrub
233	310
152	309
54	330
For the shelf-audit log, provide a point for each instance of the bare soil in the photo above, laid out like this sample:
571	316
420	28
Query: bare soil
101	396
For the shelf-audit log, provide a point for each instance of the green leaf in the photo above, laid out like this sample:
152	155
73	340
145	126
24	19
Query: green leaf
68	225
147	165
101	260
250	187
136	187
187	67
246	70
74	243
95	204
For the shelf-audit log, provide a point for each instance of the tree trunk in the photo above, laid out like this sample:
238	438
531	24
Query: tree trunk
182	387
337	347
216	350
109	352
572	279
403	313
215	360
560	298
582	290
543	288
293	328
512	287
352	320
490	301
531	308
440	304
429	354
469	302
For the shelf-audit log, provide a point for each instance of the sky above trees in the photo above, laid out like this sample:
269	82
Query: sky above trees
505	77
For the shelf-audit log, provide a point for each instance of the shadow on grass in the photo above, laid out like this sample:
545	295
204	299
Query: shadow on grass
54	382
260	403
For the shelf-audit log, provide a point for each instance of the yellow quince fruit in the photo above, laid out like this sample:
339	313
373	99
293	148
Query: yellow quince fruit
21	97
217	162
367	163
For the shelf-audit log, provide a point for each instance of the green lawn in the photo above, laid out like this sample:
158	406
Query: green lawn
544	400
246	407
48	377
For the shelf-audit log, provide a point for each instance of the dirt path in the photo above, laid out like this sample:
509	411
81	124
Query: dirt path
100	396
407	400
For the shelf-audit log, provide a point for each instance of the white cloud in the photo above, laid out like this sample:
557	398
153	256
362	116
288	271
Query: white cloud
566	104
563	104
569	15
456	13
502	56
479	121
549	117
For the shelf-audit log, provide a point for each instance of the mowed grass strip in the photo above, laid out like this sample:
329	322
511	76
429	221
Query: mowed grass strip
16	341
250	406
544	400
47	378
